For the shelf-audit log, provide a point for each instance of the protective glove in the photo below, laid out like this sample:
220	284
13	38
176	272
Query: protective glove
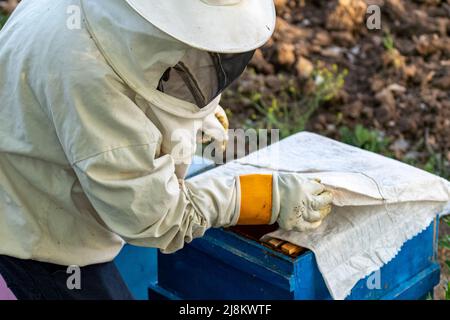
295	202
216	126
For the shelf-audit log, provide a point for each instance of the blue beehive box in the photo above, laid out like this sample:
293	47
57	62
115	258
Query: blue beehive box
227	265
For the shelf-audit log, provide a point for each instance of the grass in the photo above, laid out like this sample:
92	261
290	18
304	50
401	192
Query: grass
3	19
371	140
445	243
388	42
290	111
376	141
436	164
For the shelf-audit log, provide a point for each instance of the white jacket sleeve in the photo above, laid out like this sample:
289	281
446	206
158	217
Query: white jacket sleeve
140	199
114	150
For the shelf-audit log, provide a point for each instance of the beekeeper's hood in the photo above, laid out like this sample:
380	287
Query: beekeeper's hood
154	45
176	84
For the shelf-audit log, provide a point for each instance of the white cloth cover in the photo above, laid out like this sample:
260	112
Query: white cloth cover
379	203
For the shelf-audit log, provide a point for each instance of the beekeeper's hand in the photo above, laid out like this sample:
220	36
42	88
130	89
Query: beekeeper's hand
295	202
216	126
303	203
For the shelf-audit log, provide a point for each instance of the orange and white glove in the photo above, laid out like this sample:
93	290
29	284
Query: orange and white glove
295	202
216	126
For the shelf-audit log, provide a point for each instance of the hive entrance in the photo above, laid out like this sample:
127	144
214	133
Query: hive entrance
256	232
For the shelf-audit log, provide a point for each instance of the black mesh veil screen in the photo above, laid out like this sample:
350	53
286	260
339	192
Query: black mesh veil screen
202	76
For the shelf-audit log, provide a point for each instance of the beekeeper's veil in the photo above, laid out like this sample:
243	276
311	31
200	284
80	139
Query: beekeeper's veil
178	56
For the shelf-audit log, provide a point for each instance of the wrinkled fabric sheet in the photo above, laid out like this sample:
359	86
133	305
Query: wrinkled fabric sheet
379	203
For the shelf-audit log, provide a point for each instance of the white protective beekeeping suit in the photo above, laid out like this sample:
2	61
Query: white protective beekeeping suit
85	136
92	117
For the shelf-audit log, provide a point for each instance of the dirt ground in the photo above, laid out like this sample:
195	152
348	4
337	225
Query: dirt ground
398	78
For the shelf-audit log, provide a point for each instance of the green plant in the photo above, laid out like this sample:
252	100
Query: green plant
3	19
445	243
447	293
291	111
371	140
388	42
438	165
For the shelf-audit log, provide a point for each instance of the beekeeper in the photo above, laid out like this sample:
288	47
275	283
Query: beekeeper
90	119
